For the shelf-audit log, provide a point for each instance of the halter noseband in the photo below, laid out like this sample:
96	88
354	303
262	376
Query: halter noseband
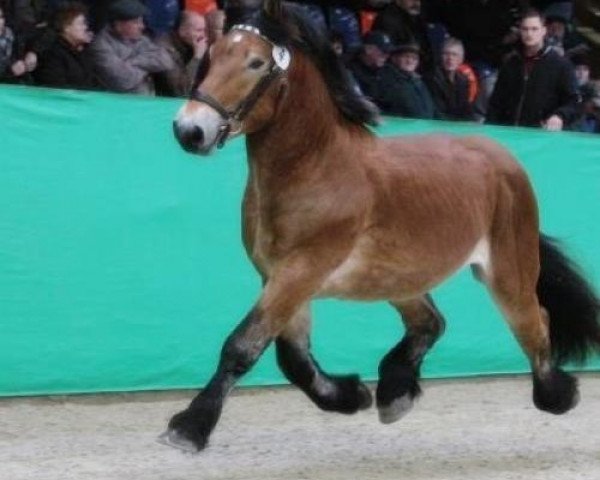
276	68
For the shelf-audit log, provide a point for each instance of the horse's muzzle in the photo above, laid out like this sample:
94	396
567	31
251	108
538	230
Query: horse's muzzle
190	137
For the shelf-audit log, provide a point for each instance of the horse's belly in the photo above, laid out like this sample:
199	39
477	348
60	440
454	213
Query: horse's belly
389	277
358	280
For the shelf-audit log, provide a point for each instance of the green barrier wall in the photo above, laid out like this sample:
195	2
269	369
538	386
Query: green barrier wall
121	266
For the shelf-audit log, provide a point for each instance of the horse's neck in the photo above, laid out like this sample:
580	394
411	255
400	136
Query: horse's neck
306	123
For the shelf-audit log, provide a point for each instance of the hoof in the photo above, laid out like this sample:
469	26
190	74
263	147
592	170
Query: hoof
348	395
365	398
174	439
396	410
555	393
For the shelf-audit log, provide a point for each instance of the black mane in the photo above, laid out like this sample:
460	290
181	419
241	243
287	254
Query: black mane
296	30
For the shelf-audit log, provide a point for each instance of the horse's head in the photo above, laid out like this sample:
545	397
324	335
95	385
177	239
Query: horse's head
239	94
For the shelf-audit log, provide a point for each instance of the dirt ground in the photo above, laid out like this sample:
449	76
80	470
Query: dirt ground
484	429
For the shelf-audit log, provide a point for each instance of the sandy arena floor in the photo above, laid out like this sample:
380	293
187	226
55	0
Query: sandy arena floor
469	429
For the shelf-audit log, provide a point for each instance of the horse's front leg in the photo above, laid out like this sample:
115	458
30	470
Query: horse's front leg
285	292
337	393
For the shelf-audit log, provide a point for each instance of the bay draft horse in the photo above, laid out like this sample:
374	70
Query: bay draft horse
330	210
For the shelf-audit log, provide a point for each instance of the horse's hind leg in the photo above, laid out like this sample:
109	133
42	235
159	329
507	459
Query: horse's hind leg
399	370
512	276
344	394
553	390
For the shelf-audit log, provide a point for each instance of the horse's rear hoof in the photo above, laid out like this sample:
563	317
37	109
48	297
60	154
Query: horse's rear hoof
176	440
555	393
396	410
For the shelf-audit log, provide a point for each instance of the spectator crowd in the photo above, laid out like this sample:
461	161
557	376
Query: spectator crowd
505	62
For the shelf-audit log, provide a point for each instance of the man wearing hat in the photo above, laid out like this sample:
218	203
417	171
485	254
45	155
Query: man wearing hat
125	59
401	90
367	64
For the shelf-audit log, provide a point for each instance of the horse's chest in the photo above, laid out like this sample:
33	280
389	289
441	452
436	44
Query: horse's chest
263	244
259	236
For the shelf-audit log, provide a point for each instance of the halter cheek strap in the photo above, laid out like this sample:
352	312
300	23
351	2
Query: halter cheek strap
276	69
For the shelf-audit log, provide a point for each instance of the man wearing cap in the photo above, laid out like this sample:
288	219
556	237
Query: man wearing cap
367	64
125	59
401	90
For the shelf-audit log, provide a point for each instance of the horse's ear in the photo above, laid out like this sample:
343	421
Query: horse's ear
273	8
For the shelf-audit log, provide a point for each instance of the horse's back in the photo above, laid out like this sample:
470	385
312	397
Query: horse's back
448	151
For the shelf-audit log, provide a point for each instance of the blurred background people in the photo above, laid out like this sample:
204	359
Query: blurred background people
187	46
125	60
536	87
16	62
401	91
448	86
367	63
67	63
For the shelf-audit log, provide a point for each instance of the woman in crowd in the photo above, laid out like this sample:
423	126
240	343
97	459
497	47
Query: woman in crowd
66	64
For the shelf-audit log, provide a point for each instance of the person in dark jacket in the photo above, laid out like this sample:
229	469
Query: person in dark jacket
536	86
484	26
16	64
588	119
403	22
448	86
187	46
66	63
367	64
401	90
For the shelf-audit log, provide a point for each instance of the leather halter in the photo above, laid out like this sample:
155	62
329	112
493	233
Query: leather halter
245	106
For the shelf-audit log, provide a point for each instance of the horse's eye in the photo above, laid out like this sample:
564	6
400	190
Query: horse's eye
256	64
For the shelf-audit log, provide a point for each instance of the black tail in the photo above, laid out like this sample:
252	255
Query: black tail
571	303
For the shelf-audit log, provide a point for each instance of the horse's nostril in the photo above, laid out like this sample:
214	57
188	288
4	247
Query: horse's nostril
190	137
197	135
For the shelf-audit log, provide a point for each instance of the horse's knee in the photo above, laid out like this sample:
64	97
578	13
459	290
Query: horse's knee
244	346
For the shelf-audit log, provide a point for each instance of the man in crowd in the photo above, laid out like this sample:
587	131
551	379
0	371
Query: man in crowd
582	69
401	91
125	59
367	64
488	31
450	88
536	86
186	45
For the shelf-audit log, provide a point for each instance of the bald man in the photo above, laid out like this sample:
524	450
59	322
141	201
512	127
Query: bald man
186	45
